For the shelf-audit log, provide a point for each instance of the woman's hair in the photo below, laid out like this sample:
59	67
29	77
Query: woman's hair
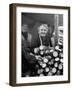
43	25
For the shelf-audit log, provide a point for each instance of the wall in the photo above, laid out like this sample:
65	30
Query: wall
4	45
31	18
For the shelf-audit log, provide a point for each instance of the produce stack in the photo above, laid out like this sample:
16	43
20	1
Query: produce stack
49	61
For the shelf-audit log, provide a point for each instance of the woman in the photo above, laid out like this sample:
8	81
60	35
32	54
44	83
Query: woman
32	43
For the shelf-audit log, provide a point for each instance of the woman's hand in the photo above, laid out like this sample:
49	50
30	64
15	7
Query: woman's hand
36	50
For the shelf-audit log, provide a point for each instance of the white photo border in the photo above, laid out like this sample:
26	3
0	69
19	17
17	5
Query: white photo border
20	79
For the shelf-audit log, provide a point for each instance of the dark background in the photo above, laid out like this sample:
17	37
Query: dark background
35	19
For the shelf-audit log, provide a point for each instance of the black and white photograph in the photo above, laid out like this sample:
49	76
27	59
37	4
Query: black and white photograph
40	45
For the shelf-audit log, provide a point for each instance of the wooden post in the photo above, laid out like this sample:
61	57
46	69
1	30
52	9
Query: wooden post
56	23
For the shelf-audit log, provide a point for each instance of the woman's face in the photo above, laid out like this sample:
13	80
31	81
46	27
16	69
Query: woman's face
43	31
